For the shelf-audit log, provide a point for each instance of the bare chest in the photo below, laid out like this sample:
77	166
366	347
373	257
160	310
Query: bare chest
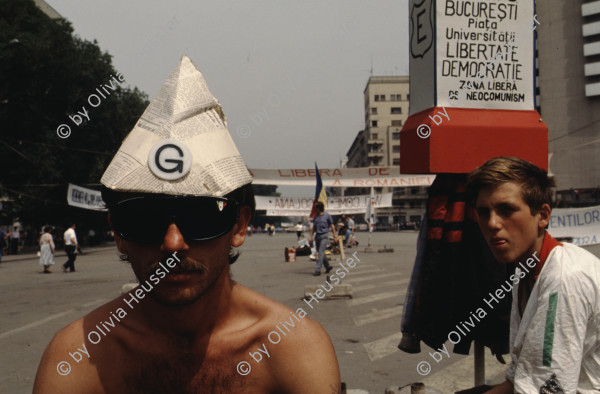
180	372
185	374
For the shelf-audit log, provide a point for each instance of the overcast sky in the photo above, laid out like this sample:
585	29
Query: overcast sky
289	74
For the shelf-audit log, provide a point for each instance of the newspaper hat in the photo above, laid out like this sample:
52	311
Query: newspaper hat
180	145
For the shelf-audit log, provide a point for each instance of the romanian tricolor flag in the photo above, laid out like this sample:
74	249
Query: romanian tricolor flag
319	193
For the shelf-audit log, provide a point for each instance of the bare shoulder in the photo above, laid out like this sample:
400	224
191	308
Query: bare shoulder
65	365
296	350
282	319
54	371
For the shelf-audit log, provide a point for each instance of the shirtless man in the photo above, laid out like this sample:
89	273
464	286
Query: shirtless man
555	314
197	325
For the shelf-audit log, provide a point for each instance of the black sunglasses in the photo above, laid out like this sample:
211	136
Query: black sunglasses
199	218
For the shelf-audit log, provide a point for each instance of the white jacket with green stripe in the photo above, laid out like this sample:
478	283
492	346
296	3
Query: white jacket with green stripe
555	346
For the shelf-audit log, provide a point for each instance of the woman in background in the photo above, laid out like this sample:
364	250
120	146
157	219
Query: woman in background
47	249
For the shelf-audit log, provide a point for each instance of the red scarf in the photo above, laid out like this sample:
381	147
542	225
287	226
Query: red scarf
548	243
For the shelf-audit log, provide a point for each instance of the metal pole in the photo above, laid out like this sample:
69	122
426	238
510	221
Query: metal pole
371	216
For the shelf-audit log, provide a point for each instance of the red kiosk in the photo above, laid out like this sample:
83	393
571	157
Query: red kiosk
472	91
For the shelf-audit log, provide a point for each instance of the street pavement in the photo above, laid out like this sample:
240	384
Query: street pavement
365	330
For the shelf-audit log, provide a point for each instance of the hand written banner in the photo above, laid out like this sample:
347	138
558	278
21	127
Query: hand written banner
301	206
485	54
83	197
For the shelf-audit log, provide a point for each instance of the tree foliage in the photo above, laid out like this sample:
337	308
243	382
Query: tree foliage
46	74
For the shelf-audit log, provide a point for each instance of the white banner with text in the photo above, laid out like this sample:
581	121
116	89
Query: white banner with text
83	197
583	224
301	206
341	177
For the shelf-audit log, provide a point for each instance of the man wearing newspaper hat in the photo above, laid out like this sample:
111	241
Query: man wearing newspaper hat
179	200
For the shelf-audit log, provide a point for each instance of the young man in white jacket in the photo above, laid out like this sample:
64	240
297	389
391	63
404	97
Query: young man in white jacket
555	316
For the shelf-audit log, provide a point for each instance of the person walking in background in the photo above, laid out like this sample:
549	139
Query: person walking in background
91	237
14	240
47	249
341	231
299	230
3	243
322	222
349	230
343	222
70	247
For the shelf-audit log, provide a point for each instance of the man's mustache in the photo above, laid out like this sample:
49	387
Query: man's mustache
186	264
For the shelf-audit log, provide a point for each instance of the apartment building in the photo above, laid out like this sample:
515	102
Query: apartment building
378	144
568	48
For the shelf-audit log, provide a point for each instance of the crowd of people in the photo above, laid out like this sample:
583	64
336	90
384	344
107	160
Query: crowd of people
49	240
11	241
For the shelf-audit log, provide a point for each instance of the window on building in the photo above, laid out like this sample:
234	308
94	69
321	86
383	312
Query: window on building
396	162
396	123
398	97
395	136
392	97
396	110
407	97
374	136
396	149
373	123
374	111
